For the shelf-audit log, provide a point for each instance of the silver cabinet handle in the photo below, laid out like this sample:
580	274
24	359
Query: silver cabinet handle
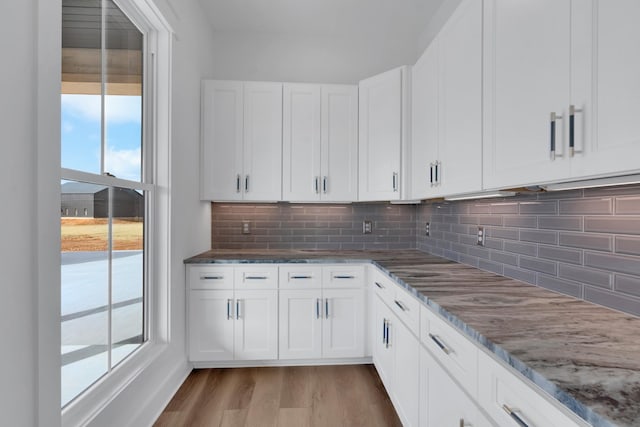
317	184
439	343
379	285
326	308
246	183
229	309
300	277
431	174
514	416
387	336
255	278
211	277
384	331
317	308
572	129
325	181
401	305
343	276
395	181
438	172
237	309
238	183
552	138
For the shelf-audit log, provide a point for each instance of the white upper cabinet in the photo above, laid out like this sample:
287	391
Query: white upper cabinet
222	126
320	149
575	60
447	108
241	141
526	78
605	87
262	141
382	134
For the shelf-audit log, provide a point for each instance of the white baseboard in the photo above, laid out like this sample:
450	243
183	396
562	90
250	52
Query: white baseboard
295	362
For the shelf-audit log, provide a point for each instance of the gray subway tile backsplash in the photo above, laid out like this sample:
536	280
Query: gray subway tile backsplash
584	243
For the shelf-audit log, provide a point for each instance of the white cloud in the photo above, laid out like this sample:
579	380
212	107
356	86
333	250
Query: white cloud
123	164
118	108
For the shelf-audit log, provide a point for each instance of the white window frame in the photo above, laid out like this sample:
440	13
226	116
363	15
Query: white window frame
158	37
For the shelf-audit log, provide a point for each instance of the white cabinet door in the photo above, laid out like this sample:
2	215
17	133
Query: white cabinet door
442	401
459	161
301	143
343	326
339	135
380	136
606	87
381	347
424	136
222	127
300	324
210	325
256	325
262	141
527	54
406	381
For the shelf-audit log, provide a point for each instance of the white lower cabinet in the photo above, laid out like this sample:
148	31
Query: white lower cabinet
326	322
256	325
210	325
396	355
442	400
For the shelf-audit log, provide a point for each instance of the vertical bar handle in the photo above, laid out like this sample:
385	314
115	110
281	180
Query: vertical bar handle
317	308
317	184
229	309
387	339
431	174
384	331
237	309
324	184
238	183
246	183
572	129
326	308
395	181
437	170
552	137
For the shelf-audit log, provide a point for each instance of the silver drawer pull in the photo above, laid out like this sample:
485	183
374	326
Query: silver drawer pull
211	277
514	416
301	277
256	278
439	343
401	305
379	285
339	276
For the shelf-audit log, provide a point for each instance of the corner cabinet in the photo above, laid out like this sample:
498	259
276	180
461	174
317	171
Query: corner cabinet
320	143
447	109
241	141
568	108
384	115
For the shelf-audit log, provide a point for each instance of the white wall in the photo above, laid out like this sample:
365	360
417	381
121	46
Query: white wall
18	297
432	25
313	59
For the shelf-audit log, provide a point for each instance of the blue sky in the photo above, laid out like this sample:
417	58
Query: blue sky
81	134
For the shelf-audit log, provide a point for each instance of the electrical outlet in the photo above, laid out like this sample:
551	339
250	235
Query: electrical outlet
427	226
480	236
245	227
367	227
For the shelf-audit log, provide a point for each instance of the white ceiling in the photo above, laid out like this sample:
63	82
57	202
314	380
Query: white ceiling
334	18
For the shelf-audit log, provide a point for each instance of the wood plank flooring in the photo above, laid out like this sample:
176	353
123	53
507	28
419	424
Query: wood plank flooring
298	396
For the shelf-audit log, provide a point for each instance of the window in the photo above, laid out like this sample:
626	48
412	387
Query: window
106	175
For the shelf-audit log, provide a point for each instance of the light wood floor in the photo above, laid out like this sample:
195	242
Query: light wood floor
299	396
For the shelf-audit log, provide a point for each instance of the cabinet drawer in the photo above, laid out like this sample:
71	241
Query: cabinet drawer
343	276
256	277
510	401
300	277
383	285
455	352
210	277
407	308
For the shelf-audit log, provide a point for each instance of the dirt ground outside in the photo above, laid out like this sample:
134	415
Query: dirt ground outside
90	234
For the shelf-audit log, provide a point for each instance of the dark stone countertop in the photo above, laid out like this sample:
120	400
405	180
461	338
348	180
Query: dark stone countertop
585	355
